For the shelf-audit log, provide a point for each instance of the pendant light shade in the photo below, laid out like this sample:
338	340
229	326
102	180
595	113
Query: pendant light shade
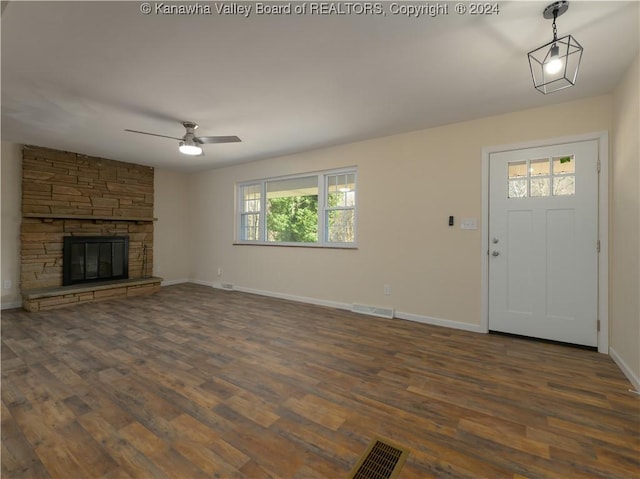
554	66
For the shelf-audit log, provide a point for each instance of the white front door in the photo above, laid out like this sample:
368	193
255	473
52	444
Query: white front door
543	233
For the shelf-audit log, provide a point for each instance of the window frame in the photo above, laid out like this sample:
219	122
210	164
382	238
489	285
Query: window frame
323	209
242	214
550	175
327	208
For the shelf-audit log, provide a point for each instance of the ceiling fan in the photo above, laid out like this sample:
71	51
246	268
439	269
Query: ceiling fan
190	144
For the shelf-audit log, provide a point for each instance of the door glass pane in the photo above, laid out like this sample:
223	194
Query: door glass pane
564	165
539	168
518	188
539	186
564	185
517	169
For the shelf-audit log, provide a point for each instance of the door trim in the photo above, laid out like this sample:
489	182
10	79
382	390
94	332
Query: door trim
603	226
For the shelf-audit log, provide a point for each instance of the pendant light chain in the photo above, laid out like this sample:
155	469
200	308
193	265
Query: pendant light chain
555	30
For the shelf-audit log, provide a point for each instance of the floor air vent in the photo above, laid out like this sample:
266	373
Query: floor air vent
381	460
372	310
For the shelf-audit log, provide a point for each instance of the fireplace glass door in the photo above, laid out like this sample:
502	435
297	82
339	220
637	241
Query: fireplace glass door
88	259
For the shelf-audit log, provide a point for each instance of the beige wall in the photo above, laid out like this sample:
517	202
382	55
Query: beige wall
625	226
408	185
11	178
171	232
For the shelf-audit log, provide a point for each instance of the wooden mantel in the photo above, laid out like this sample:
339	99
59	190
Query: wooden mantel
59	216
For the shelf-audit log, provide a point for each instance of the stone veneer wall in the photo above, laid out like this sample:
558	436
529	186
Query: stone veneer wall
67	193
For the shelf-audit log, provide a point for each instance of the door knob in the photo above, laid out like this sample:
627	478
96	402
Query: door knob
495	240
495	253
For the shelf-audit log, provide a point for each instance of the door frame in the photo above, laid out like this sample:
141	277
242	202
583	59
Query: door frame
603	225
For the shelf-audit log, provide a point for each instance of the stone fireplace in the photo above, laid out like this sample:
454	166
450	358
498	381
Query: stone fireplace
67	196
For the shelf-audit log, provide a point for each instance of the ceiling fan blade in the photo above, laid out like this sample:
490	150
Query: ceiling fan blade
153	134
217	139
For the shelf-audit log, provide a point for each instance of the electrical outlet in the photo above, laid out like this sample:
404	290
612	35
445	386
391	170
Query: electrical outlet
6	284
387	290
219	271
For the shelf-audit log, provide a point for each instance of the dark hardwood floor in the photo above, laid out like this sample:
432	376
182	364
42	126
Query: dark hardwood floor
194	382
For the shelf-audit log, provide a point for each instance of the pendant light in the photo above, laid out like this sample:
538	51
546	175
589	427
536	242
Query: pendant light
554	65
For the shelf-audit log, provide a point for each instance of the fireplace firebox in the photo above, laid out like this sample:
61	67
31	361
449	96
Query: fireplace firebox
89	259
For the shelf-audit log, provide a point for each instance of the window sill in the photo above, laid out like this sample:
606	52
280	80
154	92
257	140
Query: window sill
295	245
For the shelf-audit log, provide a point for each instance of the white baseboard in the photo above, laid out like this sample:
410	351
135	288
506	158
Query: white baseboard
292	297
447	323
202	282
347	306
171	282
626	370
11	305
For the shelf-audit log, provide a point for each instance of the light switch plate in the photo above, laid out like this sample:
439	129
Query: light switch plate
468	224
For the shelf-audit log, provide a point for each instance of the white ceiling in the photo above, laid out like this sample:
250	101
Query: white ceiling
76	74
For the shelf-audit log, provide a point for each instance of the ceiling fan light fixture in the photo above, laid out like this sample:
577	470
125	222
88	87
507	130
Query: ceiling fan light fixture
190	144
554	66
189	147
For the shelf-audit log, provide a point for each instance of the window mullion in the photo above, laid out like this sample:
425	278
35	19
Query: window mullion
263	212
240	209
322	202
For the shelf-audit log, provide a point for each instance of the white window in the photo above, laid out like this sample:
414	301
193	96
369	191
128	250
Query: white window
314	209
250	212
340	208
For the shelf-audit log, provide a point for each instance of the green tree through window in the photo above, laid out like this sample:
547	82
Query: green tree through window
293	219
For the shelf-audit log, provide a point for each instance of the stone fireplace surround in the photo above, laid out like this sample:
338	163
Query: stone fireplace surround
65	194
